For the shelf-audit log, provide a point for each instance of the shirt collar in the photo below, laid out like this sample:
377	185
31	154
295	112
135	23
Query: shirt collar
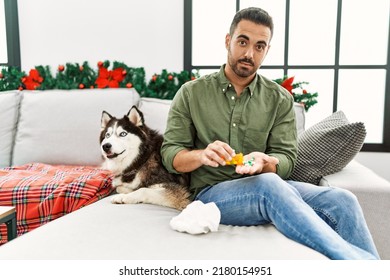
225	83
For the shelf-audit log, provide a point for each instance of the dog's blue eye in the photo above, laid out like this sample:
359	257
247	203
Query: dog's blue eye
123	134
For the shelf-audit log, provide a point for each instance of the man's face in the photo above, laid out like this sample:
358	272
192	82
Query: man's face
247	47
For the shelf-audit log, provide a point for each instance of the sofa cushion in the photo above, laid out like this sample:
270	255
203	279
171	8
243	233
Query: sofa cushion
327	147
373	193
63	126
155	112
9	106
106	231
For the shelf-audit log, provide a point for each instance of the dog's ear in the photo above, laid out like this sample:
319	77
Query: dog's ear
136	116
106	117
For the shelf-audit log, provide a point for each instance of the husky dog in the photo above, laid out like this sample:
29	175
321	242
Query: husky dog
131	150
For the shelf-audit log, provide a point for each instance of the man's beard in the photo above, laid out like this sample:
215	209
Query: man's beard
241	71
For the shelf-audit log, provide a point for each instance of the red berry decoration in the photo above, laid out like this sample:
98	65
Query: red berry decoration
170	77
100	64
81	68
129	85
154	78
1	75
81	86
61	68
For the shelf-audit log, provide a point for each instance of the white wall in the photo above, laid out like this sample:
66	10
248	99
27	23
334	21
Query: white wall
147	33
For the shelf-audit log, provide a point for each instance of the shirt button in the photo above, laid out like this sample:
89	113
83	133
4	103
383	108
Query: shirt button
223	90
234	125
233	98
230	85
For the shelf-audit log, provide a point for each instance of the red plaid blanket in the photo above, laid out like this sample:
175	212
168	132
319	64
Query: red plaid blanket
42	193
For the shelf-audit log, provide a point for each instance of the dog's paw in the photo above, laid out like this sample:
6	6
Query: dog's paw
132	198
122	190
129	198
117	199
117	182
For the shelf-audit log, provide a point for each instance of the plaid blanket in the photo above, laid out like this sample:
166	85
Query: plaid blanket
42	193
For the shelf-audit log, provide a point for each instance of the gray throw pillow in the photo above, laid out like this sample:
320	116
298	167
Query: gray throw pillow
327	147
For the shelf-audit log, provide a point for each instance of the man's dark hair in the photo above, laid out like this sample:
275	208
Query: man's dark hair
256	15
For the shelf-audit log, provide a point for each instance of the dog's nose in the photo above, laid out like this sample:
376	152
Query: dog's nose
107	147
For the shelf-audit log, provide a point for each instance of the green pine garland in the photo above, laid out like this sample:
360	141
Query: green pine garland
10	78
166	84
73	76
301	95
163	85
307	99
80	76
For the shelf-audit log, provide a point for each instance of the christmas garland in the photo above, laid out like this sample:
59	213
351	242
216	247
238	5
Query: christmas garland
163	85
298	91
79	76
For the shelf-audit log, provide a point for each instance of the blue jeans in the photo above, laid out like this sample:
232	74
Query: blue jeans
328	220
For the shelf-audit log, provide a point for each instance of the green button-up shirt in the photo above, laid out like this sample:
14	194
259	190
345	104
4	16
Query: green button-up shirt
261	119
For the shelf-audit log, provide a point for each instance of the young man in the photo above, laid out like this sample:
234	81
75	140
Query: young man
237	110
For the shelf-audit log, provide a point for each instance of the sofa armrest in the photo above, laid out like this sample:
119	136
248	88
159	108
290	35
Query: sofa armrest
9	105
373	193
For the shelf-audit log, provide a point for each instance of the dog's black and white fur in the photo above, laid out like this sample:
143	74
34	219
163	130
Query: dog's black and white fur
131	150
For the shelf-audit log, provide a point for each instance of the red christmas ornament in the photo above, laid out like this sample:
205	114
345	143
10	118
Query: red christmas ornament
81	86
129	85
61	68
100	64
170	77
124	72
154	78
81	68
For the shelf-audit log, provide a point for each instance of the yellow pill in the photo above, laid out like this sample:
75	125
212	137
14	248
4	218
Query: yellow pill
238	159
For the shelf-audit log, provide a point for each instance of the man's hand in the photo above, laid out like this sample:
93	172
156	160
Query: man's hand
213	155
261	163
216	154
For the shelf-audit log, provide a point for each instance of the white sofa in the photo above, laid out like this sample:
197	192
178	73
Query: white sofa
62	127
